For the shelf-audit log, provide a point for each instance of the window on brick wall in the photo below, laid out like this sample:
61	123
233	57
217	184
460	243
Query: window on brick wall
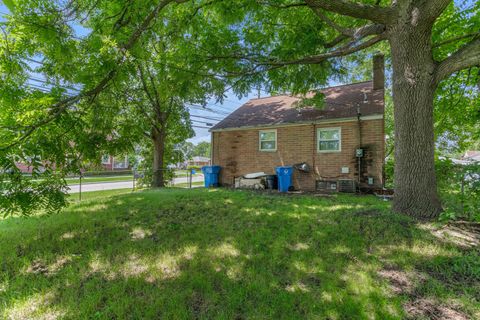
267	140
329	139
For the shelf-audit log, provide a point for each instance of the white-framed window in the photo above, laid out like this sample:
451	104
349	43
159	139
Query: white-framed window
119	164
267	140
106	159
329	139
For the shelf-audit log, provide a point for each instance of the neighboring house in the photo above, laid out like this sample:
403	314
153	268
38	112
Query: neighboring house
471	156
199	161
268	132
109	163
112	163
26	168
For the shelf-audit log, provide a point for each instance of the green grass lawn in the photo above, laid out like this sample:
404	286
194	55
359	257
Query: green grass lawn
74	197
212	253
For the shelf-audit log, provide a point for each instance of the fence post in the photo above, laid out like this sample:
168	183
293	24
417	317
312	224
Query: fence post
191	171
133	180
463	194
80	189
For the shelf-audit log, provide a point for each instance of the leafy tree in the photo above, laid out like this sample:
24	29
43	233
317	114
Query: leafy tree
456	113
187	148
202	149
71	119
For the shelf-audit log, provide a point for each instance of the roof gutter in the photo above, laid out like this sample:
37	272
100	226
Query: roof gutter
302	123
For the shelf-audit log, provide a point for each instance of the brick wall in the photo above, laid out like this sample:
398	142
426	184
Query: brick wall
237	152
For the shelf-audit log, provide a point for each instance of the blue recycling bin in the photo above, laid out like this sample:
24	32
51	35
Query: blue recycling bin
284	177
211	175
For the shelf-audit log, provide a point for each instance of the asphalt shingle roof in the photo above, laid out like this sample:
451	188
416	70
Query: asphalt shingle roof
340	102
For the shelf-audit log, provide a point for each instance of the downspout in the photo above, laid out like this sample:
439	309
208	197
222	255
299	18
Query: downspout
211	149
359	146
314	151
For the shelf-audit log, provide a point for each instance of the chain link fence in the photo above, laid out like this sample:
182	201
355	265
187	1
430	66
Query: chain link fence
90	181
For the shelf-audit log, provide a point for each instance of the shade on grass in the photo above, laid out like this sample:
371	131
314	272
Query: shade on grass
100	195
178	254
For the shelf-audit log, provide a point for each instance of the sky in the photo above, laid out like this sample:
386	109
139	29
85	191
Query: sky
230	104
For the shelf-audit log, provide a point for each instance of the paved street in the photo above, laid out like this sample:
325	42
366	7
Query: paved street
88	187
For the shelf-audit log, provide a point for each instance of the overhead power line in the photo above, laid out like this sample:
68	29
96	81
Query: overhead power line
216	105
61	86
206	109
208	124
207	118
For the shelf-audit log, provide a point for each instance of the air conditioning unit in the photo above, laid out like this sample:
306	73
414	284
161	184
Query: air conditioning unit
325	185
346	185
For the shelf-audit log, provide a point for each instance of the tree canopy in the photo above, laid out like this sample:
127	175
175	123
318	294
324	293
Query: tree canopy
88	101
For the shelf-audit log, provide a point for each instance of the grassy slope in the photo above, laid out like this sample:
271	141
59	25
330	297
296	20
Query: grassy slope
74	197
223	254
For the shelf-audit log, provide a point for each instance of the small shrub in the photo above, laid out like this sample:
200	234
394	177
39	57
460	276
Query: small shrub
447	215
459	188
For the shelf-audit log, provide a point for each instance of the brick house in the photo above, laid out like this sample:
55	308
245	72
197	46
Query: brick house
111	163
268	132
198	161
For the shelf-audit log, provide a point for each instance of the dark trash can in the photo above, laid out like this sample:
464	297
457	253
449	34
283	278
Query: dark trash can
271	182
284	178
211	175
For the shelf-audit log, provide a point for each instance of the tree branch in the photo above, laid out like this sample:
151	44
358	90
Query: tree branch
347	49
461	37
432	9
342	51
62	105
143	80
282	6
368	30
339	39
344	31
355	10
467	56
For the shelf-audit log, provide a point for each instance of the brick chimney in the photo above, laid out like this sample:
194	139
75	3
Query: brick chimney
378	71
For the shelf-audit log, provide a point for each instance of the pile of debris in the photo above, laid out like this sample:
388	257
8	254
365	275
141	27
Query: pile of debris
257	181
262	180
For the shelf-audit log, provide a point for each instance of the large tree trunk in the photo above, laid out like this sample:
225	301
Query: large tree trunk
413	96
158	140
